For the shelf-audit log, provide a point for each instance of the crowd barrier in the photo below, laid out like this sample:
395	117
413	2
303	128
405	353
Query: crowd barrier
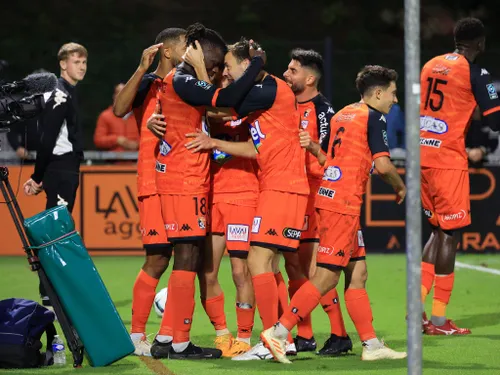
106	212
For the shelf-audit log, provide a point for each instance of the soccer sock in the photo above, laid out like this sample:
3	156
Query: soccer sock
304	326
245	317
427	279
266	297
214	307
182	292
443	285
303	302
331	305
282	293
143	296
166	332
360	311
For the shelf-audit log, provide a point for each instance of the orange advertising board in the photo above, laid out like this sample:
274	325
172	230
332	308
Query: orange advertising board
105	212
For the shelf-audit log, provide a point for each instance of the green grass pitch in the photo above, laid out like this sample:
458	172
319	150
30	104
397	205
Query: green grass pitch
475	304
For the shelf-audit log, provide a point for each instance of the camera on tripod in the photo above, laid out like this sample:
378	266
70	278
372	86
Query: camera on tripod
22	100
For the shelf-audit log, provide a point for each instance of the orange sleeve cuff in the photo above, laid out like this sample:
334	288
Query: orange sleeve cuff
490	111
214	98
380	154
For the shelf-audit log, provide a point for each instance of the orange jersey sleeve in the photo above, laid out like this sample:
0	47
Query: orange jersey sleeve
358	135
233	178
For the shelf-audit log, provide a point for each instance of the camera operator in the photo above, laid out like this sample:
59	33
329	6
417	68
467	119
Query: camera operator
60	150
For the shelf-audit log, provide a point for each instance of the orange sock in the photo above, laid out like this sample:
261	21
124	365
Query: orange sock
282	293
427	279
266	297
331	305
245	319
214	307
302	303
167	322
443	285
304	326
360	311
143	296
182	292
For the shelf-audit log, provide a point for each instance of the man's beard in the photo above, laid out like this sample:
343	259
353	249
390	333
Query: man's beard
297	88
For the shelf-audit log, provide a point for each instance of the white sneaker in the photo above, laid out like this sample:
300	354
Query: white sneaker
276	345
291	349
258	352
375	353
142	346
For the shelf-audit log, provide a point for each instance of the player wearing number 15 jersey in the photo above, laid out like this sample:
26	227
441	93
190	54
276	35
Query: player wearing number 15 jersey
452	86
357	140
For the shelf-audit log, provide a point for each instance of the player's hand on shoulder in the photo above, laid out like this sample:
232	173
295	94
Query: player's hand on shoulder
194	55
148	55
156	125
256	50
200	141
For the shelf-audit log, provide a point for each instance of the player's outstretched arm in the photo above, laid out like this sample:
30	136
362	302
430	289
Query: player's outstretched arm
125	98
200	142
390	175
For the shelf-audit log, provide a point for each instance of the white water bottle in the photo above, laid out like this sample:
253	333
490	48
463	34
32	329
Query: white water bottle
58	350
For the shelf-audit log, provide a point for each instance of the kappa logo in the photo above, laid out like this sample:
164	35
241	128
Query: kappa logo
152	232
189	78
237	232
330	110
271	232
185	228
484	72
340	253
60	97
382	118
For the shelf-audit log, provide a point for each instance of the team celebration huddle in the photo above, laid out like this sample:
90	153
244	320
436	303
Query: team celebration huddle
234	158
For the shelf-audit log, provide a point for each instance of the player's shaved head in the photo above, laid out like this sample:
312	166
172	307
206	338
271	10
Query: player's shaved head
373	76
469	30
309	59
170	35
214	47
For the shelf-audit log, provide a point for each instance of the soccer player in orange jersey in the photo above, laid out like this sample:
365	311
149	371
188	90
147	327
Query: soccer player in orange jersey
283	189
452	87
140	94
357	141
183	178
303	75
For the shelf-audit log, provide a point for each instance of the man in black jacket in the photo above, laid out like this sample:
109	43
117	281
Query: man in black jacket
60	150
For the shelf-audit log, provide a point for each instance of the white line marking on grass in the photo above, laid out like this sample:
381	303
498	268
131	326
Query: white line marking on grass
477	268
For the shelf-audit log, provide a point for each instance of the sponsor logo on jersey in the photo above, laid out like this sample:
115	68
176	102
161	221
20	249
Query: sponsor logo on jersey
441	69
204	85
160	167
345	117
173	227
304	123
237	232
384	137
256	224
428	213
291	233
433	125
361	240
165	148
454	216
327	250
430	142
257	134
332	173
202	222
451	57
492	91
328	193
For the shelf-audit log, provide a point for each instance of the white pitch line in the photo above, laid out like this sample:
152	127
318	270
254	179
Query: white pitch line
477	268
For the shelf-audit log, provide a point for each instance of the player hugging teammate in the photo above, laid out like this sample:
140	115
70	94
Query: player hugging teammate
239	159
